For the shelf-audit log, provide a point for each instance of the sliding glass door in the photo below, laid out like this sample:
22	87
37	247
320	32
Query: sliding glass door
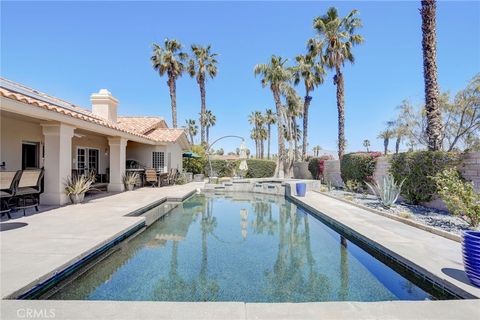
87	160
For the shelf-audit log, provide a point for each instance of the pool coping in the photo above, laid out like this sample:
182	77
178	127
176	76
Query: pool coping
438	232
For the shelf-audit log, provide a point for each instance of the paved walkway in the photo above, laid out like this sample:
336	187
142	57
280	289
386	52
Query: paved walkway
146	310
433	254
52	240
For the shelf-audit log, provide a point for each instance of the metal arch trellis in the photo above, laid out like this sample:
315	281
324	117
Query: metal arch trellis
211	145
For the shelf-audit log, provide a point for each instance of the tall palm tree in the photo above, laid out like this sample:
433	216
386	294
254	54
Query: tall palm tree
316	150
192	129
386	135
210	121
256	119
270	118
276	75
202	65
311	72
338	35
429	47
170	59
366	144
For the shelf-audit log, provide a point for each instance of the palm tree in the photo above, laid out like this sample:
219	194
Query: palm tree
366	144
429	47
256	119
316	150
386	135
339	36
210	121
270	119
192	129
202	65
169	60
311	72
276	76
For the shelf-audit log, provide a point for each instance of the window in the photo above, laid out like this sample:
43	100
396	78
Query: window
158	160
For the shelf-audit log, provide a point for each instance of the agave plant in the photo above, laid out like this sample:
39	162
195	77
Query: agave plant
78	184
130	179
387	191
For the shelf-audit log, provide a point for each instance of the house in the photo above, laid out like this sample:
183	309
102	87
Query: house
41	131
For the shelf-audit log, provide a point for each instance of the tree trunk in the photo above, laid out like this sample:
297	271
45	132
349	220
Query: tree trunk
191	138
397	144
268	147
279	171
201	83
295	141
429	46
385	145
338	80
306	105
208	134
173	99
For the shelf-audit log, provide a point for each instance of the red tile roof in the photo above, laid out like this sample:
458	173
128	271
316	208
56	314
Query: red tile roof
152	128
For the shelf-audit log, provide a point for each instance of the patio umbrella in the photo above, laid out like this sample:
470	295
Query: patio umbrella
243	157
190	154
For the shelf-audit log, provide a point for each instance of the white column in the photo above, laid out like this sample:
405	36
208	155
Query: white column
118	148
57	162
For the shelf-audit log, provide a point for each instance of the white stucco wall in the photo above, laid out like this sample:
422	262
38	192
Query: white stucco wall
13	133
143	154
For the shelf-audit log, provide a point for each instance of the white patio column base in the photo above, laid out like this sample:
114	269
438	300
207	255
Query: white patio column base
118	149
57	162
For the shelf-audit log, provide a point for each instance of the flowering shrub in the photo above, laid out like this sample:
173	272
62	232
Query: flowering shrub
316	166
459	196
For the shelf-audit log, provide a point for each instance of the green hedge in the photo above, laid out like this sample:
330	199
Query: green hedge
418	168
260	168
358	167
256	168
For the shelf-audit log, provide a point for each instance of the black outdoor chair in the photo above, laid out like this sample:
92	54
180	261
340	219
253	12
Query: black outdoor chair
29	189
8	187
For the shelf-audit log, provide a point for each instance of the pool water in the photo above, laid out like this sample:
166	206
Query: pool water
240	247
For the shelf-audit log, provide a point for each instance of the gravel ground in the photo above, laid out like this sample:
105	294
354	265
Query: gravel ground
431	217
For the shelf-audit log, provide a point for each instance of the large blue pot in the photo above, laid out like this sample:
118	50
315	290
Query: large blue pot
471	256
301	189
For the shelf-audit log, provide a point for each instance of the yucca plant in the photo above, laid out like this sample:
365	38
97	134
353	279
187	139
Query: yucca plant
387	190
130	179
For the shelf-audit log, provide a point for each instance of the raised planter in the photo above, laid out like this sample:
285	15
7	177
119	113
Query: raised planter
471	256
129	187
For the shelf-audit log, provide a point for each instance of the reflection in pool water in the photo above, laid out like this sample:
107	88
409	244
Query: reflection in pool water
241	247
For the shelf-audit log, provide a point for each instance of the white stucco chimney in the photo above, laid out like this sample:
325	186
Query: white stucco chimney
104	105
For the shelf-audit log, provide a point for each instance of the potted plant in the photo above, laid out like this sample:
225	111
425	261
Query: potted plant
130	179
77	186
462	200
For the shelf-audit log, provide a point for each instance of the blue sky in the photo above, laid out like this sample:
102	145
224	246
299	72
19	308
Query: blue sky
71	49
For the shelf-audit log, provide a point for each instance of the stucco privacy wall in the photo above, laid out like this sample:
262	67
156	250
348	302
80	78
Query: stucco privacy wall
13	133
470	168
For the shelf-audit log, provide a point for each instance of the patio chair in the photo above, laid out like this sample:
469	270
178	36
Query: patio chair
172	176
151	177
29	189
8	186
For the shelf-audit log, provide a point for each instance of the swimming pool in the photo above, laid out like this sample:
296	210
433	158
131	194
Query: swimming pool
241	247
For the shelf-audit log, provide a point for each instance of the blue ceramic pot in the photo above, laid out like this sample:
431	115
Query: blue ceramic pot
301	189
471	256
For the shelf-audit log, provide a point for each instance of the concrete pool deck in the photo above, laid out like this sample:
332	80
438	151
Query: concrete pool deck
54	239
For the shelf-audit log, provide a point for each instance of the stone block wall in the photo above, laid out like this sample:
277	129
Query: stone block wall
470	168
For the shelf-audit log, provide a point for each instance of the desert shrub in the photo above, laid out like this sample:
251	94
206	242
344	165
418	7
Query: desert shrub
353	186
316	166
195	165
260	168
358	166
418	168
459	196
